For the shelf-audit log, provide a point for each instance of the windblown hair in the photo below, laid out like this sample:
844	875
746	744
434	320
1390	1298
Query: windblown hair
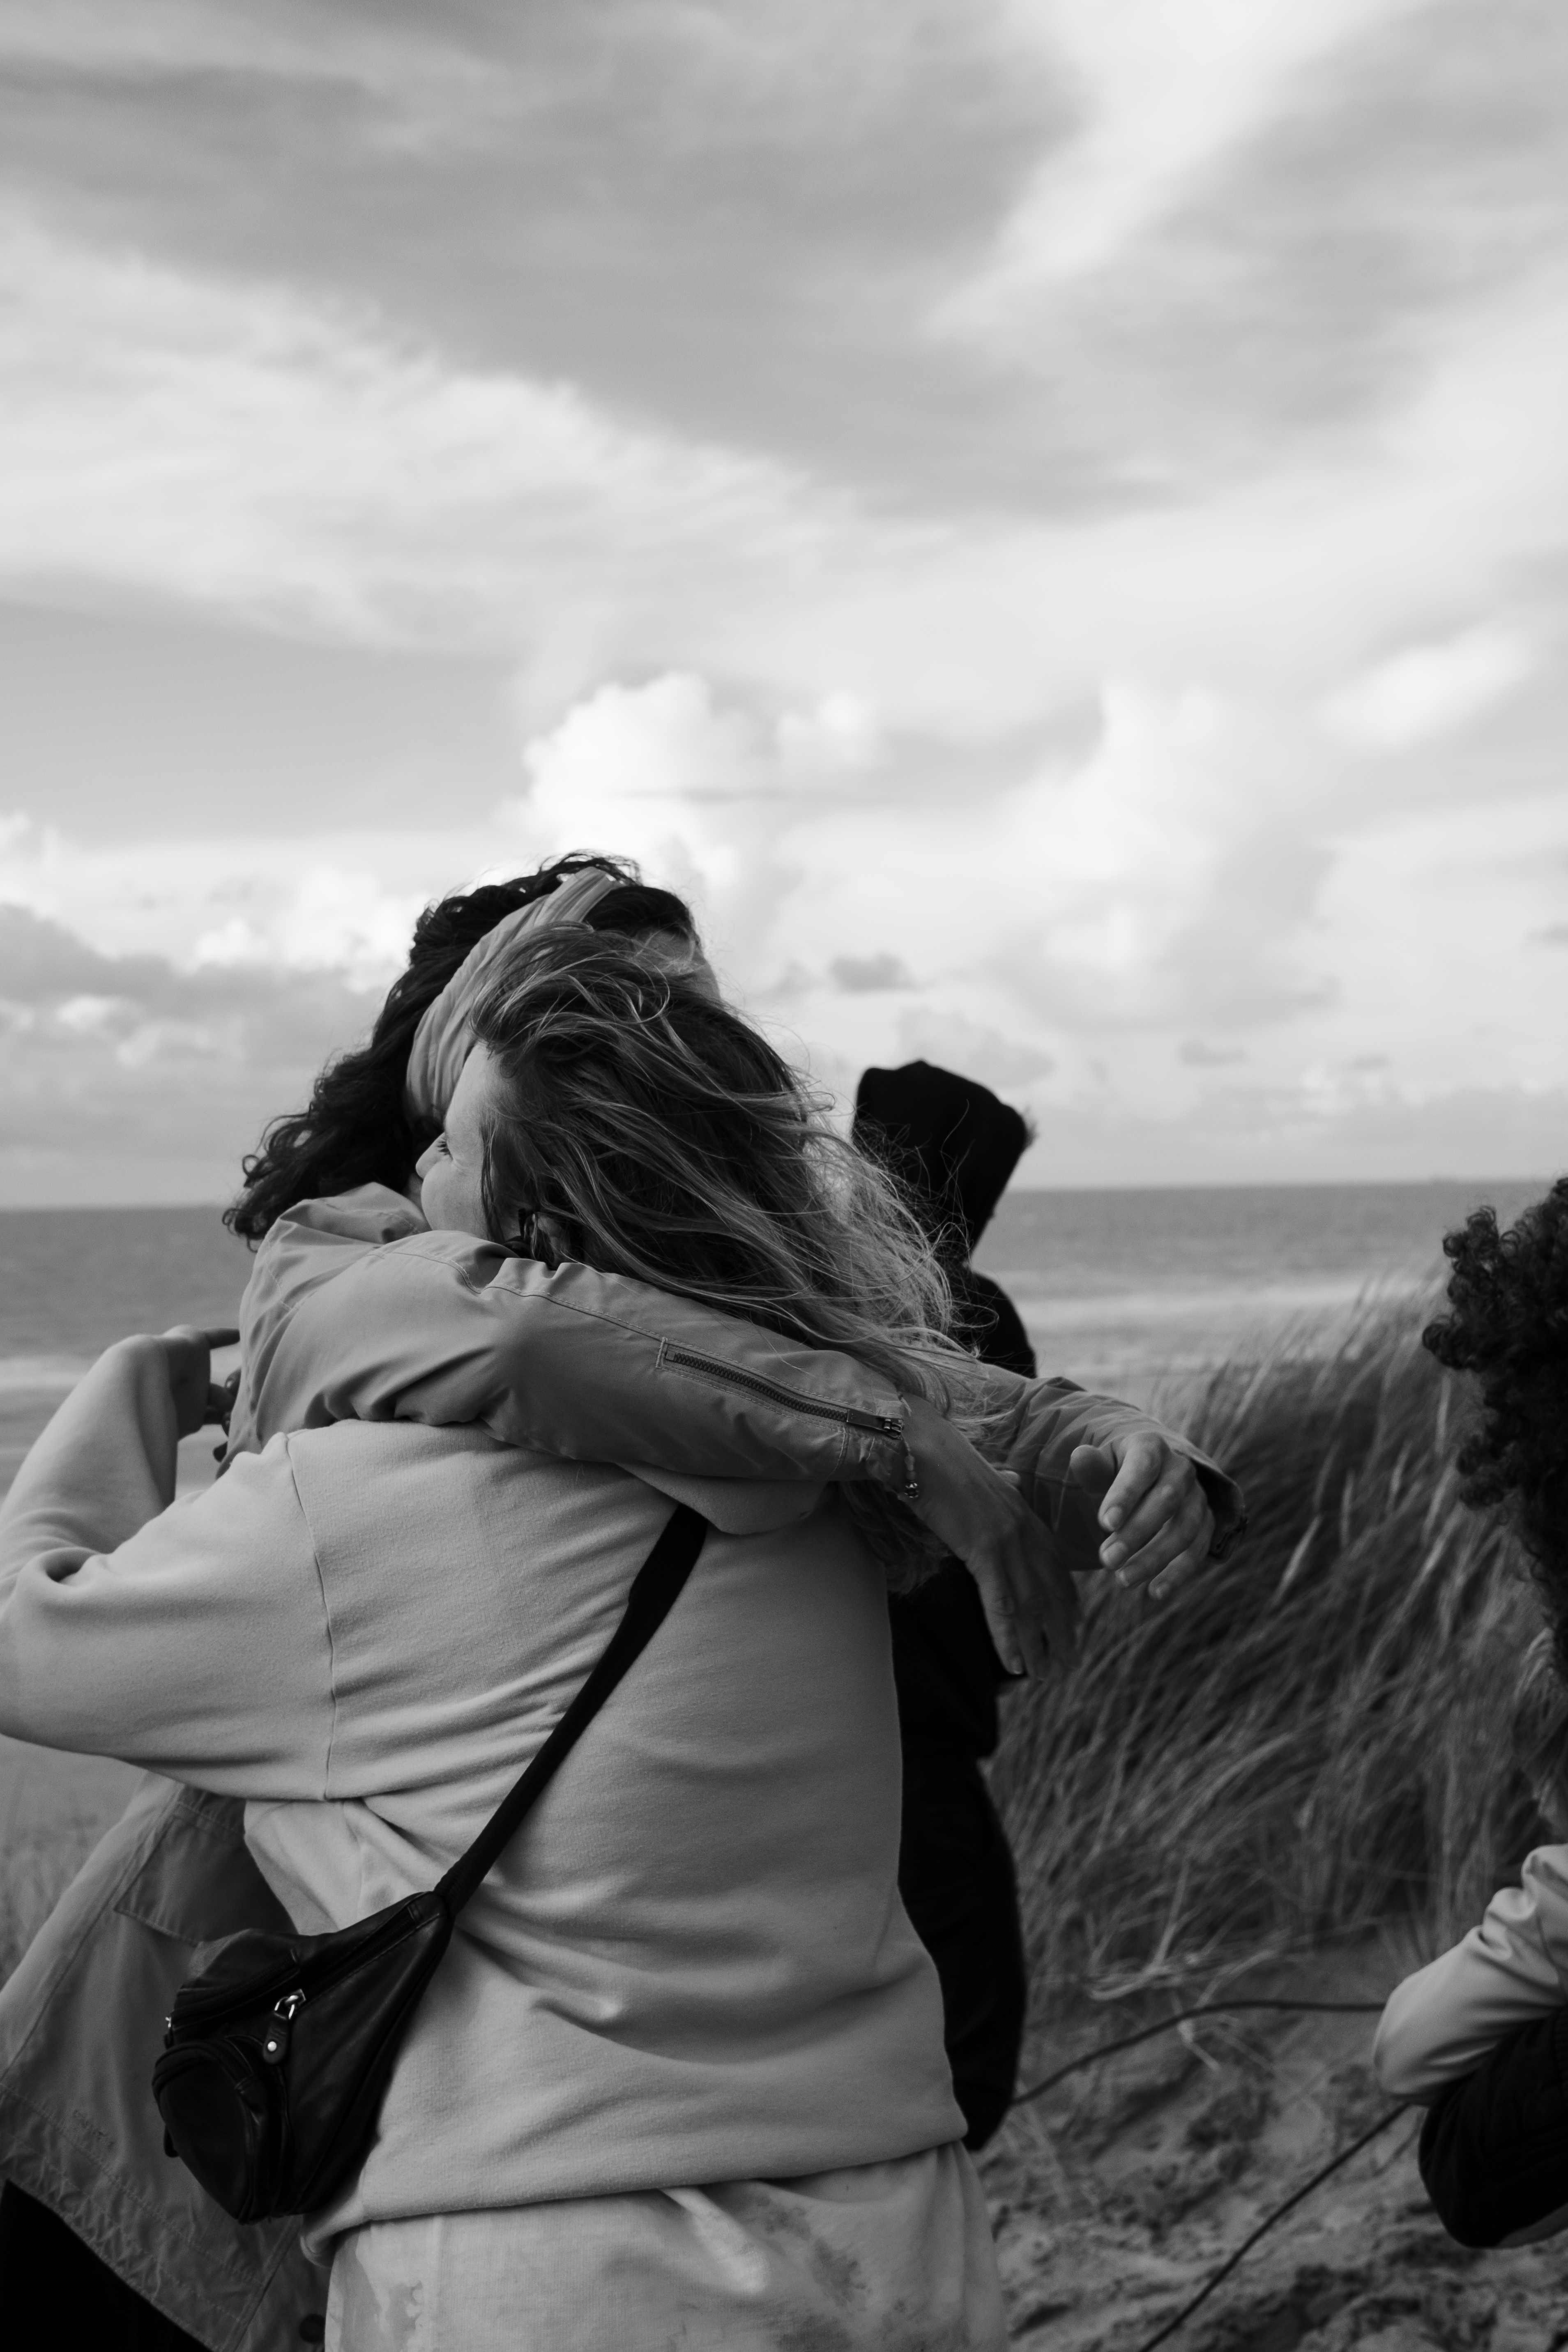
658	1134
1508	1324
356	1130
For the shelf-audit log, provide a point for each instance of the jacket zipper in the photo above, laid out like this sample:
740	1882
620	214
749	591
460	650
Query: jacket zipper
885	1425
847	1416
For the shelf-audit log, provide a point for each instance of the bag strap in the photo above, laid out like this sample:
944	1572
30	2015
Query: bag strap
655	1589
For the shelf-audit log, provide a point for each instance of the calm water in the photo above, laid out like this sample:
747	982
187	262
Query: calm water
1115	1287
1118	1288
73	1279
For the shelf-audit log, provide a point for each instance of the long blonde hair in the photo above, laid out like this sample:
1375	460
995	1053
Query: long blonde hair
660	1136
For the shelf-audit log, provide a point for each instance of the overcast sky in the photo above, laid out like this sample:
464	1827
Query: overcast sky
1046	516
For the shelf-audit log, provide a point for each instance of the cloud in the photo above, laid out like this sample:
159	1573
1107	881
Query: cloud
119	1072
1167	89
297	462
1198	1056
866	975
1174	936
342	903
1143	889
1428	690
1005	694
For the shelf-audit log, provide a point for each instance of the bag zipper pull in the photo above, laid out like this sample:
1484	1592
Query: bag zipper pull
275	2046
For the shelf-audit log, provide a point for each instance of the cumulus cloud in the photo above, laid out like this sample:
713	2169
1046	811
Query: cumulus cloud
1171	935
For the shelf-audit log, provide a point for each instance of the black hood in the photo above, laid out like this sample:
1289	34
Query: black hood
951	1140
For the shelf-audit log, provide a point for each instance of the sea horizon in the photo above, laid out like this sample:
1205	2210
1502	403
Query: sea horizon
1125	1288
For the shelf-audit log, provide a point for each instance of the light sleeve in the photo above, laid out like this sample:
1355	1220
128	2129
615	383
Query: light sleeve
1441	2023
442	1328
194	1645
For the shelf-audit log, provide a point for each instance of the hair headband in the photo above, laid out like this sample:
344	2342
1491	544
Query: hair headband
444	1039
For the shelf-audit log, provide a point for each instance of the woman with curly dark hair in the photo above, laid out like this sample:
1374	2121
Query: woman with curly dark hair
357	1128
1507	1325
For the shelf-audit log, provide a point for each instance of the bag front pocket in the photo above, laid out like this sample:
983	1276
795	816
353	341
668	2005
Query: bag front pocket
226	2117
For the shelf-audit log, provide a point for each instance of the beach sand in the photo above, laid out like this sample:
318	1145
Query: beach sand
1117	2196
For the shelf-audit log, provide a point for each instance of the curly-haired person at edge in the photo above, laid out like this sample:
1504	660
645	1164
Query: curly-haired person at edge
358	1130
1480	2034
952	1145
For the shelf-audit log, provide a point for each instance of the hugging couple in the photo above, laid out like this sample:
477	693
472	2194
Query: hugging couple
566	1245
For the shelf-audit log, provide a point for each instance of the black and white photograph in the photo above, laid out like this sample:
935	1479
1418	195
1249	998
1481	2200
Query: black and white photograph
783	1176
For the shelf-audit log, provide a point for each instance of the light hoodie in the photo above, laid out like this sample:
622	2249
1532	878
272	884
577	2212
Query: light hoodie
588	1364
1441	2022
692	1963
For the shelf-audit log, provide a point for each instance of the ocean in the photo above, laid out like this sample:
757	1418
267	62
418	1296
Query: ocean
1120	1289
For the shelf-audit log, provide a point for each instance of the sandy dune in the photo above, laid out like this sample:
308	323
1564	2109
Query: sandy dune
1116	2195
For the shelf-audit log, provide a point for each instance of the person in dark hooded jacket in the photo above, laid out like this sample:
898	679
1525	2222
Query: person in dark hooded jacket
954	1145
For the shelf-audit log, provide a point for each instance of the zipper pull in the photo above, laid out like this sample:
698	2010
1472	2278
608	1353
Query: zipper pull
275	2042
910	1491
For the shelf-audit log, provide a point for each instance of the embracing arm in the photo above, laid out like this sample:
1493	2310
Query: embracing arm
1048	1430
442	1328
356	1311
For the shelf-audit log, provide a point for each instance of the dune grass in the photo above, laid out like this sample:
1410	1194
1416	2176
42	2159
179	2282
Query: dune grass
1312	1742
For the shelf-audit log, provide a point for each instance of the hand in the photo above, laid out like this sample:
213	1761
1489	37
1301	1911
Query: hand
1156	1517
1030	1599
187	1352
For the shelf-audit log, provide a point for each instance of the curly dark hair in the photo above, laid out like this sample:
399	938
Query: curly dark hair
1508	1323
355	1128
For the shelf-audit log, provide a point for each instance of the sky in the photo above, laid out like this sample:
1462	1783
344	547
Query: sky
1044	518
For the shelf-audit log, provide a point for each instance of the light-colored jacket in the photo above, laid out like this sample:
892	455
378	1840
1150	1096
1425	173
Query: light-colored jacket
419	1328
1441	2023
692	1965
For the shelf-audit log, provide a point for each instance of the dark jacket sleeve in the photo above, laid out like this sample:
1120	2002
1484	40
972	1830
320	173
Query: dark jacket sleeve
1494	2148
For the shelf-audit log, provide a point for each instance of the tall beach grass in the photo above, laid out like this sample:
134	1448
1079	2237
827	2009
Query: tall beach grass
1312	1742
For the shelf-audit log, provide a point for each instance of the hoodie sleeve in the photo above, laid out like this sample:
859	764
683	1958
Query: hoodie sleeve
1441	2022
188	1637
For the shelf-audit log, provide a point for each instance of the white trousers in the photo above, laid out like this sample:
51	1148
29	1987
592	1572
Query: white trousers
898	2256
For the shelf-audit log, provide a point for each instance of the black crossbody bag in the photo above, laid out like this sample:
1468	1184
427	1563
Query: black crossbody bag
278	2048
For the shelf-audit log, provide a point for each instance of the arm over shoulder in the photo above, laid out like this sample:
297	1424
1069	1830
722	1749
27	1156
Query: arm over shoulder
443	1327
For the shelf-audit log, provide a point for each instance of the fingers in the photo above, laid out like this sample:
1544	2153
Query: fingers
1175	1553
1170	1482
1144	1456
1031	1607
1092	1467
